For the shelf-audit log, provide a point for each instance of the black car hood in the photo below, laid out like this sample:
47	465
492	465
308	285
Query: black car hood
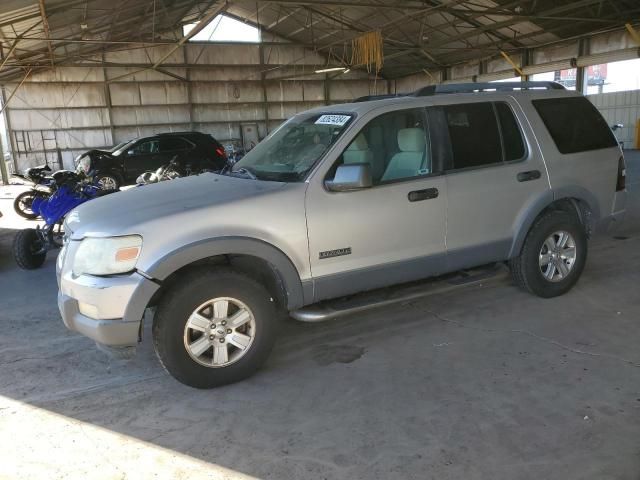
97	153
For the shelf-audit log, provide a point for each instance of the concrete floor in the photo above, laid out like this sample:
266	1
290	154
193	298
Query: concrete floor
482	382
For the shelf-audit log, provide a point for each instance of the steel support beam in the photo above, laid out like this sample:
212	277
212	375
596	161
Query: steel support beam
12	139
189	92
633	32
47	35
107	97
282	18
202	23
263	86
510	61
340	3
581	80
3	165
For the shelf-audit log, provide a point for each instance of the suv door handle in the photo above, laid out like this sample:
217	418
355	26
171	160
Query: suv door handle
426	194
527	176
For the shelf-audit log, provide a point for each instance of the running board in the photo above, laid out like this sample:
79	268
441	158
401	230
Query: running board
330	309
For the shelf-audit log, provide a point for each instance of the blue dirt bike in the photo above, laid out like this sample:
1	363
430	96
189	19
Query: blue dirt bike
30	246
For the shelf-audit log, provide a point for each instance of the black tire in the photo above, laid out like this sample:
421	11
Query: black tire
22	205
108	179
28	249
179	302
525	268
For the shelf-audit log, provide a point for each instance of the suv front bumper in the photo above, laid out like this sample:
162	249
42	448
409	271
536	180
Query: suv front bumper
108	310
115	333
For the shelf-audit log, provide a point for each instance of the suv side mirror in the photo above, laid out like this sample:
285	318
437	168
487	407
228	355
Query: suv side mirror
354	176
130	152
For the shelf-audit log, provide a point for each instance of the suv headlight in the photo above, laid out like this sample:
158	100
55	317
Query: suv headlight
107	256
83	164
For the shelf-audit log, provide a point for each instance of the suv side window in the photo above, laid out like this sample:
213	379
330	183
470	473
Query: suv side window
173	143
574	124
395	145
474	134
150	146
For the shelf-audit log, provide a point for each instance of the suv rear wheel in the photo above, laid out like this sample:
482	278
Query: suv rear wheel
214	327
553	255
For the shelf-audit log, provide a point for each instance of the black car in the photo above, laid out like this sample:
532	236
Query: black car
123	164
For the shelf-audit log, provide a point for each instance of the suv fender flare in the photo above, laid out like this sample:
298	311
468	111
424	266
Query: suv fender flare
580	193
202	249
528	215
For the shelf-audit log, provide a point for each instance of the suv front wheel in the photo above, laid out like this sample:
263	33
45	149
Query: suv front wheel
108	181
214	327
553	255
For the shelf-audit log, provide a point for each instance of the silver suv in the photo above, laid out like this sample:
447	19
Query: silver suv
340	200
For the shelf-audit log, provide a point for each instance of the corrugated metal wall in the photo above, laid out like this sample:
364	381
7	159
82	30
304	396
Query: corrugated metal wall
58	114
620	107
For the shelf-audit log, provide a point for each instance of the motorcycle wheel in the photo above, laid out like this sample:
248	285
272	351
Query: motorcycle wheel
22	205
29	250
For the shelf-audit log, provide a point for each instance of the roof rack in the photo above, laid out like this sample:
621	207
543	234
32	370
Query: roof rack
185	132
481	87
369	98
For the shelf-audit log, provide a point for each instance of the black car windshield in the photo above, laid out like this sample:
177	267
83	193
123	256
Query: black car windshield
118	146
122	148
289	153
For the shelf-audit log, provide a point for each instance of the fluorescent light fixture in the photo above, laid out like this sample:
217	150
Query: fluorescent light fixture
332	69
347	70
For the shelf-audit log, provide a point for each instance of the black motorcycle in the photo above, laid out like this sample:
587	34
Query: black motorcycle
42	187
172	170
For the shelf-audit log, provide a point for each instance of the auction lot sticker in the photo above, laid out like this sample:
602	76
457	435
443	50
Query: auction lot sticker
338	120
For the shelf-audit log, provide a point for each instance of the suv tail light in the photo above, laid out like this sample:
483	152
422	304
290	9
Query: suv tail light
220	151
622	175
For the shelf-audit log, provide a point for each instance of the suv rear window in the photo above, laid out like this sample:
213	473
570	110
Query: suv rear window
574	124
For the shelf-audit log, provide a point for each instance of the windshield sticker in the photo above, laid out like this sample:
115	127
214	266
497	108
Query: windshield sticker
338	120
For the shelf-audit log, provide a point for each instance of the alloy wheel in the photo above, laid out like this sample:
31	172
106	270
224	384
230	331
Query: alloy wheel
108	183
557	256
219	332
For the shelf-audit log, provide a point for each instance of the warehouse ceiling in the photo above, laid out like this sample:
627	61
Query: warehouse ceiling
418	34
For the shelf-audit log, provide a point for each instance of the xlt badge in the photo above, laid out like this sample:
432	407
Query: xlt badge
335	253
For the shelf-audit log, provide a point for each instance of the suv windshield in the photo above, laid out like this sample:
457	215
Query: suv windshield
118	146
292	150
122	148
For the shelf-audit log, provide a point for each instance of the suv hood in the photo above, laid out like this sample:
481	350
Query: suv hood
95	153
122	213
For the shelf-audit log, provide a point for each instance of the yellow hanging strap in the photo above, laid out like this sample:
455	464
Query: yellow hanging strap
367	49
